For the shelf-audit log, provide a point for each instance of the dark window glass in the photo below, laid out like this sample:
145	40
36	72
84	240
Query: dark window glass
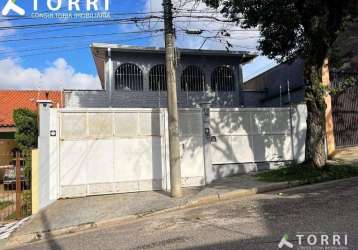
222	79
192	79
157	78
129	77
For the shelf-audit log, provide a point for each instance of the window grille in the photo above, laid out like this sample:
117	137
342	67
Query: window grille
157	78
193	79
129	77
222	79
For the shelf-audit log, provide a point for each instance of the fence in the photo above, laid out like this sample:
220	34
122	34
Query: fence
345	108
15	186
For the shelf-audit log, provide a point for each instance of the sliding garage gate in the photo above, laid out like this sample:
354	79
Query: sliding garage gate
107	151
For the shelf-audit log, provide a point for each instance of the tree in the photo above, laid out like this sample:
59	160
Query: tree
26	129
26	135
293	29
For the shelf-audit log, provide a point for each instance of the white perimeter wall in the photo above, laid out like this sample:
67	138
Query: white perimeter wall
255	135
101	151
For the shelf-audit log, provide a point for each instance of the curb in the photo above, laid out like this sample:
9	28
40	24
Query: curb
205	200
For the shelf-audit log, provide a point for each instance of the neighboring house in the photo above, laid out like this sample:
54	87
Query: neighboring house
264	89
271	88
134	77
11	100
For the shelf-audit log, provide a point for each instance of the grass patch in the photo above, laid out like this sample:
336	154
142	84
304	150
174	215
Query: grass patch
4	204
11	216
303	172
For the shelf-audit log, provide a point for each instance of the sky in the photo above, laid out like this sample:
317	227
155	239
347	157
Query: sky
53	53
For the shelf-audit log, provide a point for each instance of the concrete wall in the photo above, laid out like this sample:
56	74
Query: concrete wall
152	99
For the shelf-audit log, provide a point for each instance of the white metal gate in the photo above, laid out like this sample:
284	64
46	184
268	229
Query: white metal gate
251	135
106	151
192	149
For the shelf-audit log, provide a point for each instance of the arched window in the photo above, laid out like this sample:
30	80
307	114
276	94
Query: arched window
129	77
157	78
192	79
222	79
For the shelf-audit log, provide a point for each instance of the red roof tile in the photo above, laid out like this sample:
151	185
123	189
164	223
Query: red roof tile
14	99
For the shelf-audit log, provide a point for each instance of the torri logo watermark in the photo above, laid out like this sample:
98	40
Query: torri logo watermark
284	242
315	241
65	9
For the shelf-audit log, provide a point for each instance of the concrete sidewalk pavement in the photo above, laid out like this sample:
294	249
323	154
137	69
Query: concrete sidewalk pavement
347	155
73	215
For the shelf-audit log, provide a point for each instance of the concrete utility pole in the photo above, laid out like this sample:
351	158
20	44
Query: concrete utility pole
173	117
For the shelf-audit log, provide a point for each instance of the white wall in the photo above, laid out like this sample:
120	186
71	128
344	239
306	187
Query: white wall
247	137
48	156
101	151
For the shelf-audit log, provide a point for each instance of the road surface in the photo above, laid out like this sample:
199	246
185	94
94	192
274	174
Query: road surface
257	222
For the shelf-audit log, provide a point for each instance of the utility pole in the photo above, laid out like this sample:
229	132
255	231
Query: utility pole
173	117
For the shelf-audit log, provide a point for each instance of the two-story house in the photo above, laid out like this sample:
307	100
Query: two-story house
135	77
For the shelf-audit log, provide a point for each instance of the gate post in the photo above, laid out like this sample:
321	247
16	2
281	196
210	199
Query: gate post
209	173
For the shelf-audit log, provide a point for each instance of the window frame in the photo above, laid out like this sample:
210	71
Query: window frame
130	78
157	72
227	79
196	86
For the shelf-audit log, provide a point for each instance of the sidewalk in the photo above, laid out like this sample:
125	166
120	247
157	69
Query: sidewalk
348	155
72	215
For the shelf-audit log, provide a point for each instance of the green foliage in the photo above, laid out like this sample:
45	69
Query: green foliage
304	172
4	204
346	83
292	28
26	202
290	173
26	129
26	136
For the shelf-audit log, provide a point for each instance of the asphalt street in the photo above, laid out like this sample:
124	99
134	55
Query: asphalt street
257	222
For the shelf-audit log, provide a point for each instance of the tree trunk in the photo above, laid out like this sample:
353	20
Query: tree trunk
316	125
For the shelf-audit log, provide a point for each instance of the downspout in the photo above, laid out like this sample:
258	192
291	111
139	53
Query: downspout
110	77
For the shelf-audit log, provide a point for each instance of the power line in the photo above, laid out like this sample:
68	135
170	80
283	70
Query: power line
61	49
95	22
17	18
59	46
81	36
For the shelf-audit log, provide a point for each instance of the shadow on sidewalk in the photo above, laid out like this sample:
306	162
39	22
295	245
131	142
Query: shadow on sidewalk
52	243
